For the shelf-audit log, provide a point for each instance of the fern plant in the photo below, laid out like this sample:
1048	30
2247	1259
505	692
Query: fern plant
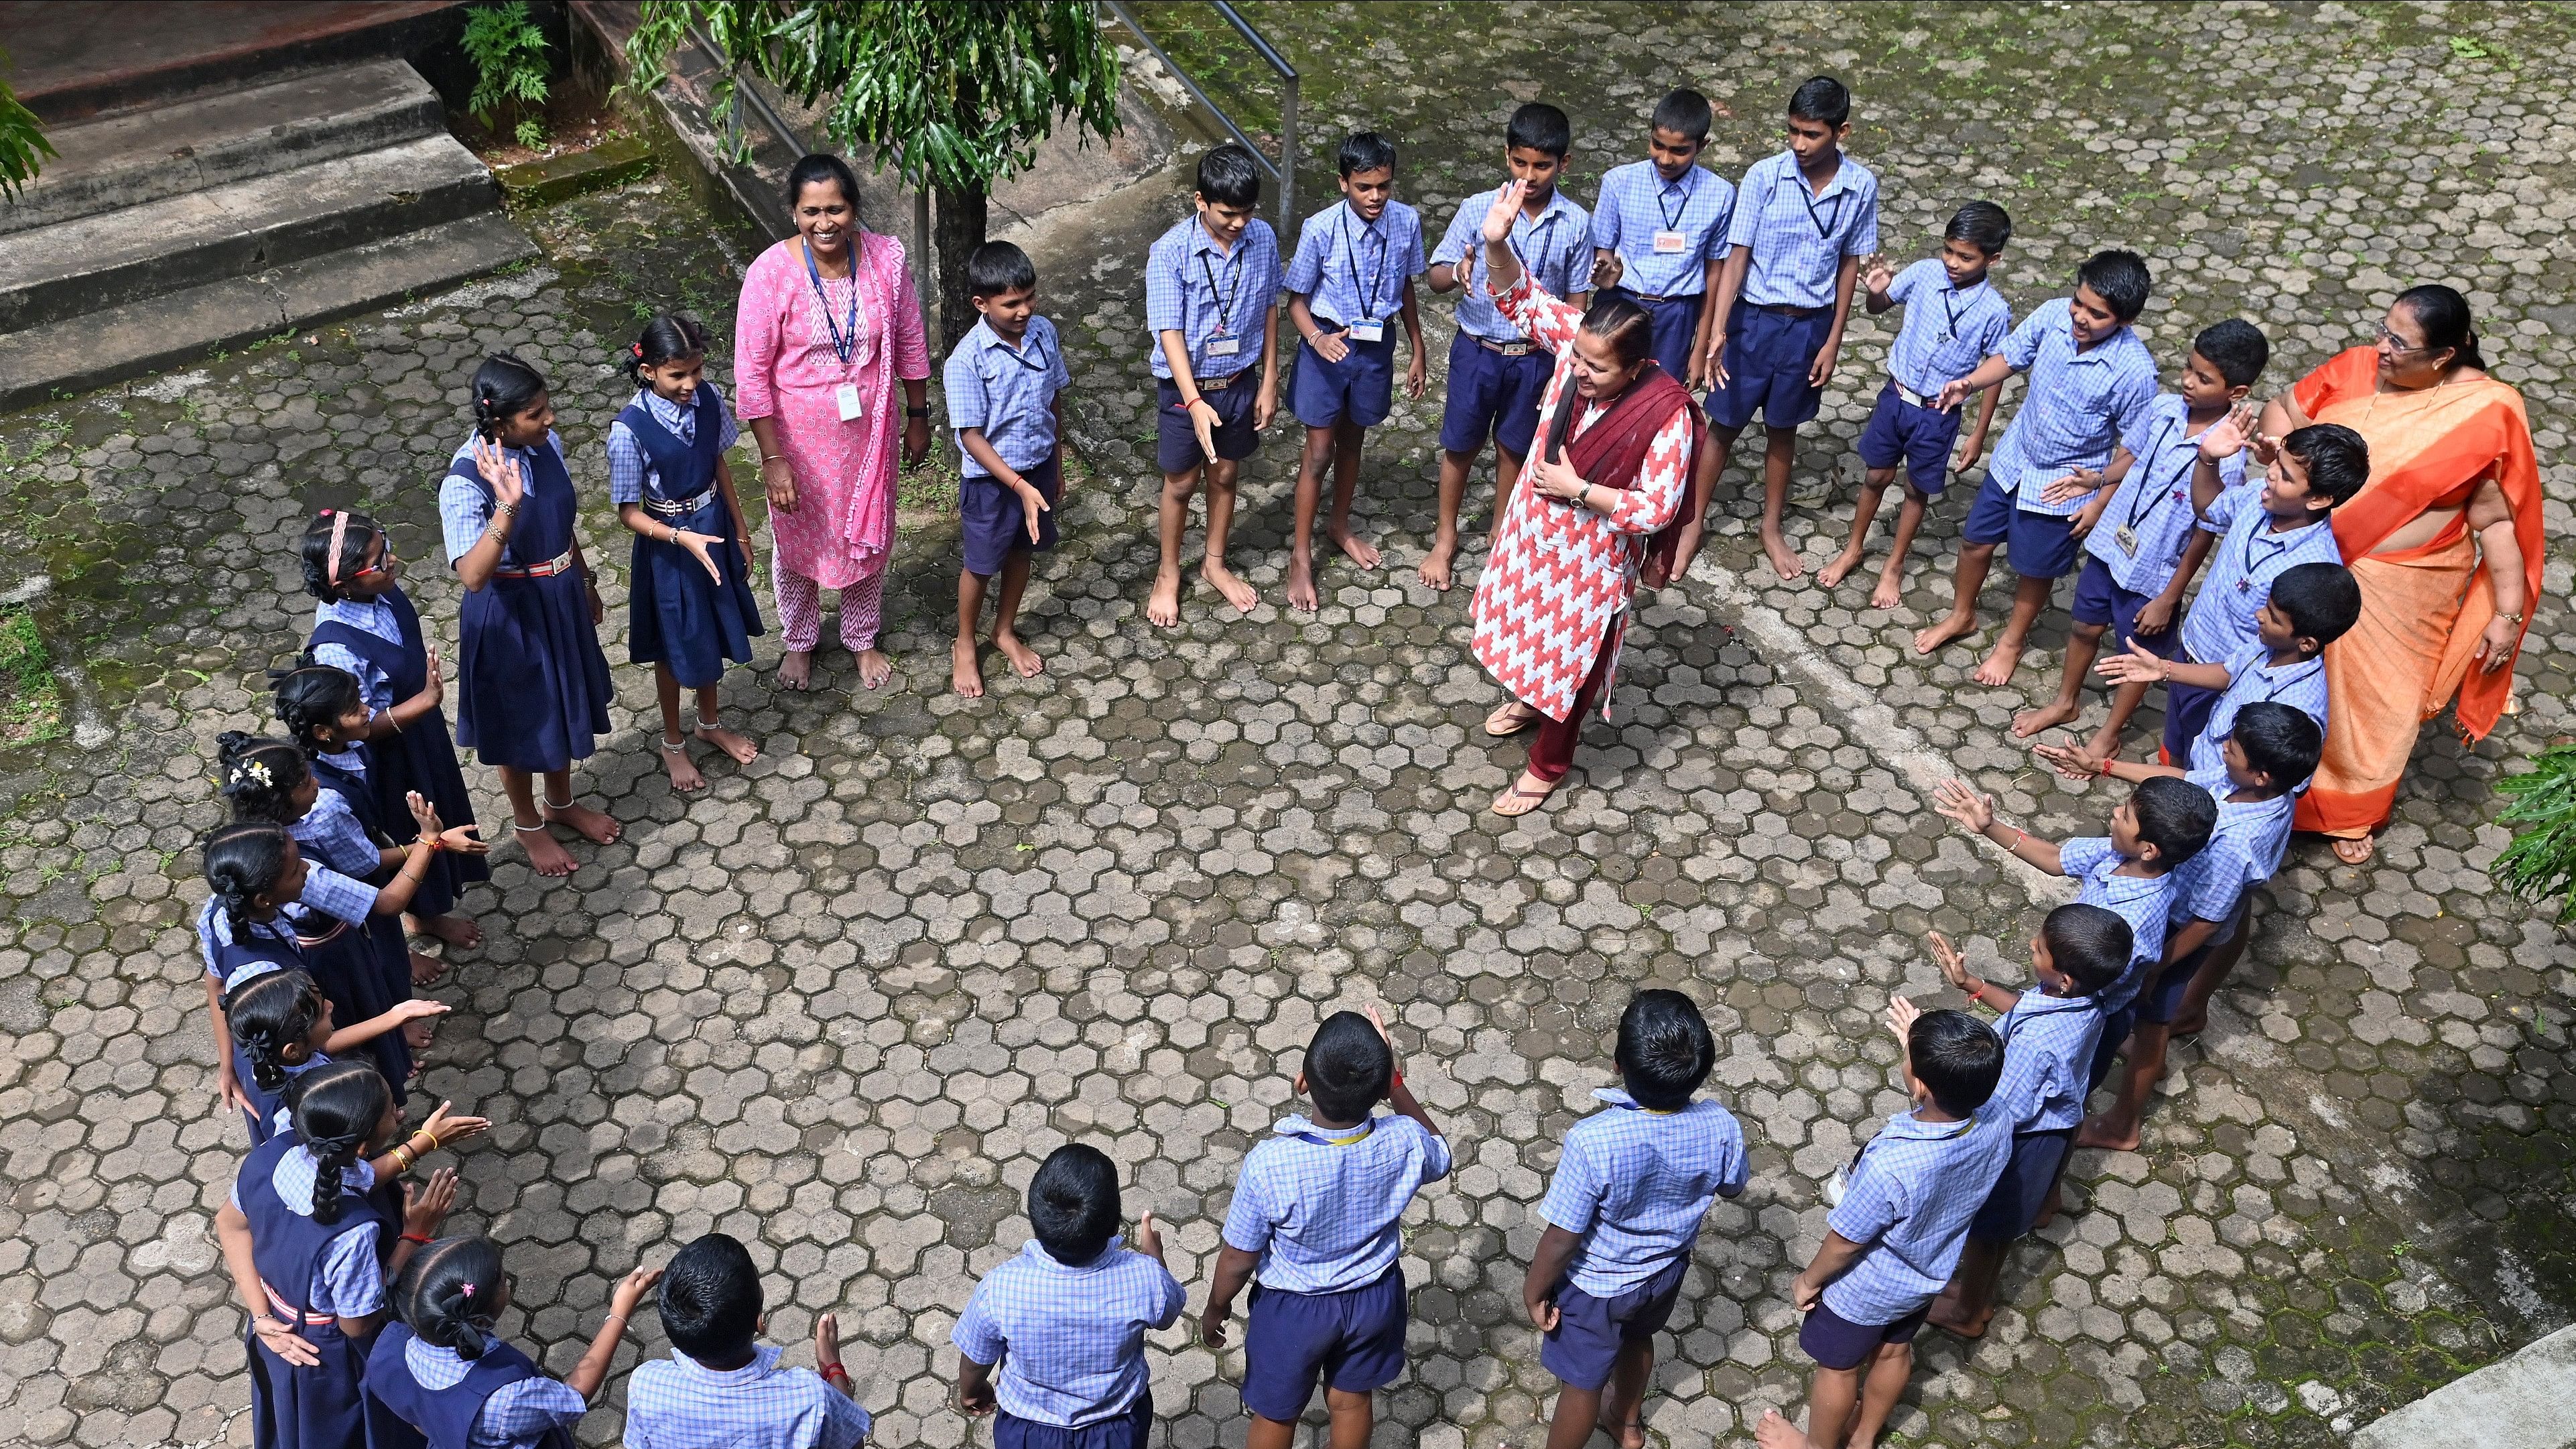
22	142
2541	862
509	55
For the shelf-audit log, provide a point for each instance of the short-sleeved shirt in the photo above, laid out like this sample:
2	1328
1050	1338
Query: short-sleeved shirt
2076	407
331	835
1350	270
1006	393
1947	330
465	509
679	1403
1555	251
2048	1059
2244	850
2248	556
2251	679
2140	900
329	893
629	465
1909	1203
367	616
514	1416
2153	503
1070	1337
1799	239
1206	294
1321	1207
1638	205
215	930
347	1279
1636	1183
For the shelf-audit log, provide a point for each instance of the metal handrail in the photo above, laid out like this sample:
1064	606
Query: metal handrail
1285	172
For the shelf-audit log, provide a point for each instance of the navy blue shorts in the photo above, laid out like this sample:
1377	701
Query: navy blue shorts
1176	442
1492	397
2160	1002
1920	438
1127	1431
1352	1340
2116	1027
2014	1204
1675	327
2099	599
1360	388
1766	359
994	526
1835	1342
2040	547
2187	711
1590	1331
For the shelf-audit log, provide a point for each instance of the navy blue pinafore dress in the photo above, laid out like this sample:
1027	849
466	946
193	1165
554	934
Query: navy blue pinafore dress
446	1416
532	687
418	758
345	961
256	945
679	616
384	933
324	1405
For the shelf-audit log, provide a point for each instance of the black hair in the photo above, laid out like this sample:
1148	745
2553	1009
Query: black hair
1364	151
261	776
2120	279
1664	1050
314	696
2280	741
821	166
2337	460
1822	98
1623	324
504	387
1539	126
998	267
2322	599
1684	112
669	337
710	1300
1981	224
450	1292
2237	348
2175	816
2444	315
314	549
2089	943
1230	176
1073	1203
1956	1057
243	861
267	1014
336	1108
1348	1067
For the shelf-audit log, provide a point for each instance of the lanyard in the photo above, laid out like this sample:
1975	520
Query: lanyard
844	344
1031	357
1321	1140
1537	230
1673	218
2148	488
1950	309
2272	688
1377	273
1828	223
2248	564
1234	275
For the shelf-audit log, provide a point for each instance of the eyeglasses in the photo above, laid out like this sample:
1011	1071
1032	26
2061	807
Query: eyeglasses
382	565
2395	344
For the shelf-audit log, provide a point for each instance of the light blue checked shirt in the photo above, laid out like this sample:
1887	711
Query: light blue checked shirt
1799	239
2139	900
2048	1058
1202	293
328	893
331	835
347	1280
515	1416
1636	1184
1637	204
215	929
1321	1208
463	508
629	465
1912	1195
1354	271
1070	1340
1948	330
2252	680
2154	502
2248	556
2078	404
679	1403
369	616
1555	251
1007	393
2243	851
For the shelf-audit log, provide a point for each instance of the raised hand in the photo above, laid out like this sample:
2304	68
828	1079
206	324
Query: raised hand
1954	966
447	1129
1877	275
1149	1238
2229	435
423	814
1955	800
500	470
420	1007
1900	1017
1507	204
433	683
425	1208
2137	666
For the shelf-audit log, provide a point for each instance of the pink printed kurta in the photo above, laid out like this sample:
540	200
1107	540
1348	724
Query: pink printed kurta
785	368
1561	575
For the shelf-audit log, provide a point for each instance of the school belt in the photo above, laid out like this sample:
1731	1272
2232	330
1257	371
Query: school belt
1220	384
560	563
325	939
678	508
1920	400
1666	297
1783	309
293	1314
1507	349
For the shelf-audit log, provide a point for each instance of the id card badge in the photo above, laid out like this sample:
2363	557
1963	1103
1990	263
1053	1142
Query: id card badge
846	398
1670	244
2127	538
1368	331
1224	346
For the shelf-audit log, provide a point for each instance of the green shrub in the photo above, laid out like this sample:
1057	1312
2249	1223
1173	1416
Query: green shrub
2541	862
509	55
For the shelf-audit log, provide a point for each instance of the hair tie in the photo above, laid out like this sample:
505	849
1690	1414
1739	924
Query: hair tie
339	531
467	1289
637	348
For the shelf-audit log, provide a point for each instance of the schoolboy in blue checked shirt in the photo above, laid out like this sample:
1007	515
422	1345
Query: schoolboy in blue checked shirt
1495	374
1005	387
2049	1035
721	1388
1353	272
1315	1210
1895	1234
1659	232
2092	384
1212	303
1631	1189
2311	606
1066	1319
1803	220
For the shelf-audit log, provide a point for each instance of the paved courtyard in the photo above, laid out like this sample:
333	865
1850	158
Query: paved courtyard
841	1005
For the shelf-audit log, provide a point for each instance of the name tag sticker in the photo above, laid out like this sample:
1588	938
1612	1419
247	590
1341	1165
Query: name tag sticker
846	398
1670	243
1224	346
1368	331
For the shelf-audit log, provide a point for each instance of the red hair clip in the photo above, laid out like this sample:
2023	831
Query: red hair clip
635	347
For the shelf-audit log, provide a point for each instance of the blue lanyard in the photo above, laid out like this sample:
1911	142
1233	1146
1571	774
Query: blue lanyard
2147	485
1377	273
844	344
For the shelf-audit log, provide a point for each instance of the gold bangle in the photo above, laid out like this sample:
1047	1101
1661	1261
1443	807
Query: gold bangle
403	1159
417	1134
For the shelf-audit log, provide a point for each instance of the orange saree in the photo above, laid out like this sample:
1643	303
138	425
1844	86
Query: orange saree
2424	608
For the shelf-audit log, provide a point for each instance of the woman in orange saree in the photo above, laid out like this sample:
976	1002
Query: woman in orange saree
2444	540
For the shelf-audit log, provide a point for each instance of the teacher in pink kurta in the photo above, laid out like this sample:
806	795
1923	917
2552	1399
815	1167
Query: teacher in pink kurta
829	324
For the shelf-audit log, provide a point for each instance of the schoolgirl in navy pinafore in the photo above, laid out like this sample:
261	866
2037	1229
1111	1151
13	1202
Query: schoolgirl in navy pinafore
387	946
532	690
446	1416
679	616
419	758
324	1405
233	956
344	959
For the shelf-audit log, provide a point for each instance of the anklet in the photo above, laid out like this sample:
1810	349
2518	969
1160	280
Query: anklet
677	747
536	829
552	805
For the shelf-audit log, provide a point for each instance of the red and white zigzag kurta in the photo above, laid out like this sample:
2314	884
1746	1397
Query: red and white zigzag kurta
1560	576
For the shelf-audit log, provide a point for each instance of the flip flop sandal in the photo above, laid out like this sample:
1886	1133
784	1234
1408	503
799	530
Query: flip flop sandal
1522	717
1536	798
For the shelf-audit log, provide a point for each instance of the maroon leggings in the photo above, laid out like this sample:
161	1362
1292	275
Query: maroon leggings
1552	753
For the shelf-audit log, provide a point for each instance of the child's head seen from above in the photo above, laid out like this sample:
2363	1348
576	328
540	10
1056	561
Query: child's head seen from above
1004	285
2272	748
2320	468
2110	291
1977	234
1535	146
252	868
2080	949
346	555
1664	1050
1229	191
511	406
323	709
710	1302
2225	360
1348	1069
2312	605
1819	120
2164	822
451	1293
1678	132
1952	1059
267	780
670	357
1073	1203
279	1019
342	1111
1367	166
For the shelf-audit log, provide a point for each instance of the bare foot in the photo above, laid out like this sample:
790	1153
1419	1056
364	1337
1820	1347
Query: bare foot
1355	548
1891	589
1950	1320
2107	1129
2192	1023
2046	717
1526	794
1301	585
426	968
739	746
1928	641
1023	659
1435	566
1784	559
684	773
796	669
1238	593
2356	851
457	931
1629	1433
875	668
965	670
1775	1432
2048	1209
1163	606
1839	570
591	825
1998	669
546	855
418	1034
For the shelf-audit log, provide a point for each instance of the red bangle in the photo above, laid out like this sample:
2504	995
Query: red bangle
1399	1079
835	1371
416	1238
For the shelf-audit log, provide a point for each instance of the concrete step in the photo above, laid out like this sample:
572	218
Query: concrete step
71	59
140	156
62	271
176	328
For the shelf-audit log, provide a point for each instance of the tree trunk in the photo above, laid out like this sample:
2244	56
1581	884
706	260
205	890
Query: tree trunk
956	229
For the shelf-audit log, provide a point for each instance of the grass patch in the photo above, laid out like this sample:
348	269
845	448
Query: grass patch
31	701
